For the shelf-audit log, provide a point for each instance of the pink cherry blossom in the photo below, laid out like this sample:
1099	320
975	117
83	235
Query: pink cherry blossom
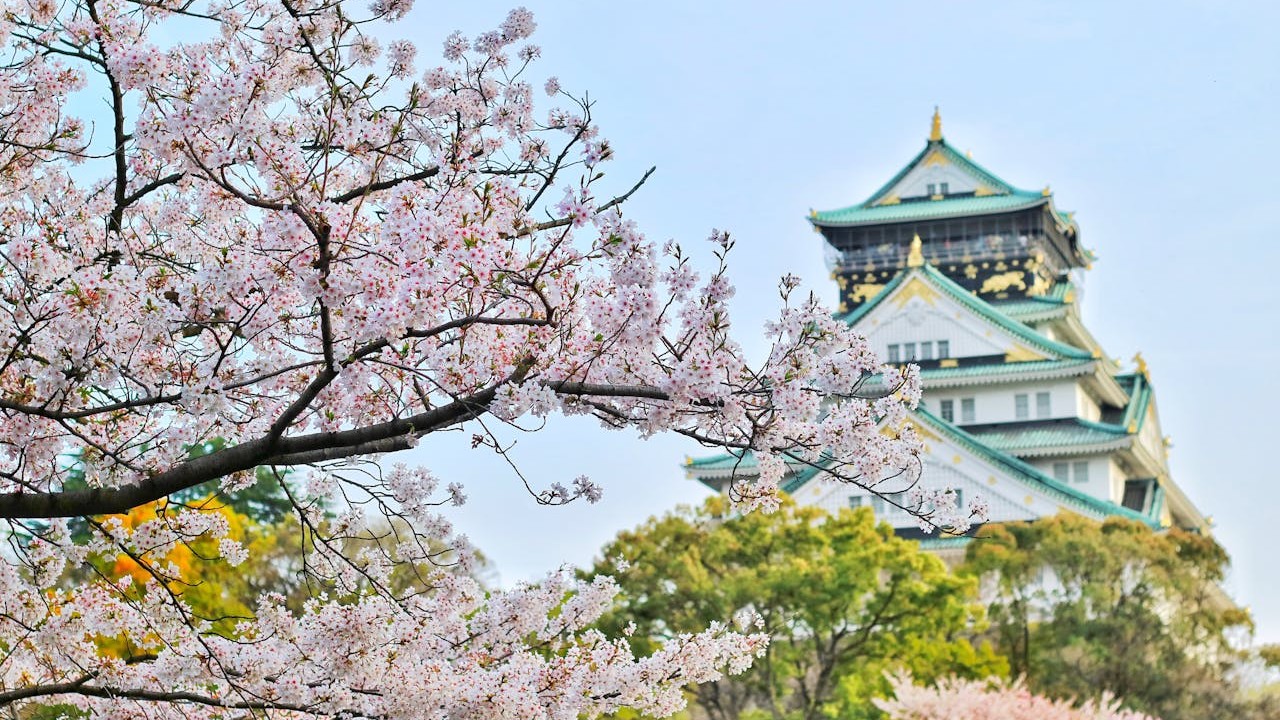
271	241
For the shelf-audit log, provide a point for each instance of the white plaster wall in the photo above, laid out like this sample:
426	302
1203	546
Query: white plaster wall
1150	436
919	321
916	183
944	466
997	404
1086	407
1106	479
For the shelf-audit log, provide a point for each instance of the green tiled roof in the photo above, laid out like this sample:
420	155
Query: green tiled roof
977	305
1139	389
1030	473
725	461
1067	494
1034	367
927	209
956	158
944	543
1004	197
1073	433
1030	370
986	310
800	473
1051	303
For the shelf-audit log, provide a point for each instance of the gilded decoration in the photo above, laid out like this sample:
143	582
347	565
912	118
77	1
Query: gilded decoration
1141	362
1002	282
1020	353
935	129
971	271
889	200
983	191
865	291
1039	286
923	431
915	258
948	363
916	288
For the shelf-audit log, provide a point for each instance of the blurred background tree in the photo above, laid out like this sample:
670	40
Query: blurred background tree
1081	607
844	599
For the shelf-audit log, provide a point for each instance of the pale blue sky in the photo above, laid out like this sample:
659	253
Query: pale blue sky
1155	122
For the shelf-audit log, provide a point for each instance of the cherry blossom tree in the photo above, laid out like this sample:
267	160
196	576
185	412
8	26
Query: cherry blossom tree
957	699
285	238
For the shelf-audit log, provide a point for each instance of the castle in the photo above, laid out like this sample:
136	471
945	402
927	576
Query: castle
978	282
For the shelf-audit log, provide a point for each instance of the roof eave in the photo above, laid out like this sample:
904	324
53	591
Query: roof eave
1069	450
818	222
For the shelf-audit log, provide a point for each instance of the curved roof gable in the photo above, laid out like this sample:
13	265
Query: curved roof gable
941	284
916	191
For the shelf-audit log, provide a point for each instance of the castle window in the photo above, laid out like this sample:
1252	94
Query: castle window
1062	472
926	350
894	357
855	501
1043	409
948	410
1021	407
944	349
1135	495
967	413
908	351
1080	470
933	189
942	189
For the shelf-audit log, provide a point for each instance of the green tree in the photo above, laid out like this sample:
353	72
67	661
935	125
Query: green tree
843	598
1081	607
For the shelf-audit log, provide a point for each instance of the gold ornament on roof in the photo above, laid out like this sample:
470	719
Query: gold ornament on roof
1141	362
865	291
935	132
1003	282
915	258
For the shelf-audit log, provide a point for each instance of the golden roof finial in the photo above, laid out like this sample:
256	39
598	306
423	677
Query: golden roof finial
915	258
935	132
1141	362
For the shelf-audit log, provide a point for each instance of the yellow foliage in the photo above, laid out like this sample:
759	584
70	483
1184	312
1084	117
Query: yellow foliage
191	569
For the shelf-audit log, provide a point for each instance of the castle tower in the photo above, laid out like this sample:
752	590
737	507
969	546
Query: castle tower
978	282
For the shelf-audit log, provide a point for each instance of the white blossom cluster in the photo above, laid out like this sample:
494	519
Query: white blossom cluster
296	242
